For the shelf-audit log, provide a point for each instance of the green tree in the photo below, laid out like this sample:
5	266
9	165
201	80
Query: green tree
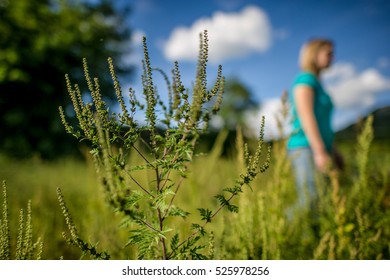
238	100
40	41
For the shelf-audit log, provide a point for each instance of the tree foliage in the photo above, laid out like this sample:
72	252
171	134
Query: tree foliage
238	100
40	41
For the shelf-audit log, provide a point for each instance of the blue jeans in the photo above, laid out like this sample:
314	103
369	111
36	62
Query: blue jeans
304	171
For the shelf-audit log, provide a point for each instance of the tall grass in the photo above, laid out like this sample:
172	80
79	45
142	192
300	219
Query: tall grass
354	207
353	211
22	247
37	180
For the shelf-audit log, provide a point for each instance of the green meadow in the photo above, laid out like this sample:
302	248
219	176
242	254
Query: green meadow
354	219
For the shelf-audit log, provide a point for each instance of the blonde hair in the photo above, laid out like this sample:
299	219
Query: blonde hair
309	53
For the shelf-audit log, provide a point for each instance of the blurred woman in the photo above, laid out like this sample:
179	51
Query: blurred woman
310	145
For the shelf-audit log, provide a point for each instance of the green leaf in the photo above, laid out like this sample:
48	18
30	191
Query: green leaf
175	242
199	228
222	200
175	211
235	190
205	214
232	208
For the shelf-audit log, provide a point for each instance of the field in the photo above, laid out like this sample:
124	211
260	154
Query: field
353	222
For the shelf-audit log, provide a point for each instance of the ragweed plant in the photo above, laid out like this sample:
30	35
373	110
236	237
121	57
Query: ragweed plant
74	239
25	249
146	193
354	220
364	141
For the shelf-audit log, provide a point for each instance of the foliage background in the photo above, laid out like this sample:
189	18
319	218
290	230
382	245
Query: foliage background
40	41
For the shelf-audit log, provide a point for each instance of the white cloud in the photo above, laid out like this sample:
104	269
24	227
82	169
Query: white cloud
340	71
349	88
134	54
272	110
354	93
231	35
353	90
137	37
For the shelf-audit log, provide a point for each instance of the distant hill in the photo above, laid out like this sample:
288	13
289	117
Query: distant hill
381	126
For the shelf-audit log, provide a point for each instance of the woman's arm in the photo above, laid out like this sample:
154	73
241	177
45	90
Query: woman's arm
304	100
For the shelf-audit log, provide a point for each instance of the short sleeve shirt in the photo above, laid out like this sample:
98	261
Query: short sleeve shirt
323	108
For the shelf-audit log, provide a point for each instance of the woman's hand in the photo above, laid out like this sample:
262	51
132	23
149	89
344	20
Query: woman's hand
322	161
325	162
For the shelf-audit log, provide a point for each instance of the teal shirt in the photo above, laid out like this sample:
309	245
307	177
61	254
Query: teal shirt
323	108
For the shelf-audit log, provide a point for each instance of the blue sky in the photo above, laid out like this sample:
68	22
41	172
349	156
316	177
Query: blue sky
258	42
